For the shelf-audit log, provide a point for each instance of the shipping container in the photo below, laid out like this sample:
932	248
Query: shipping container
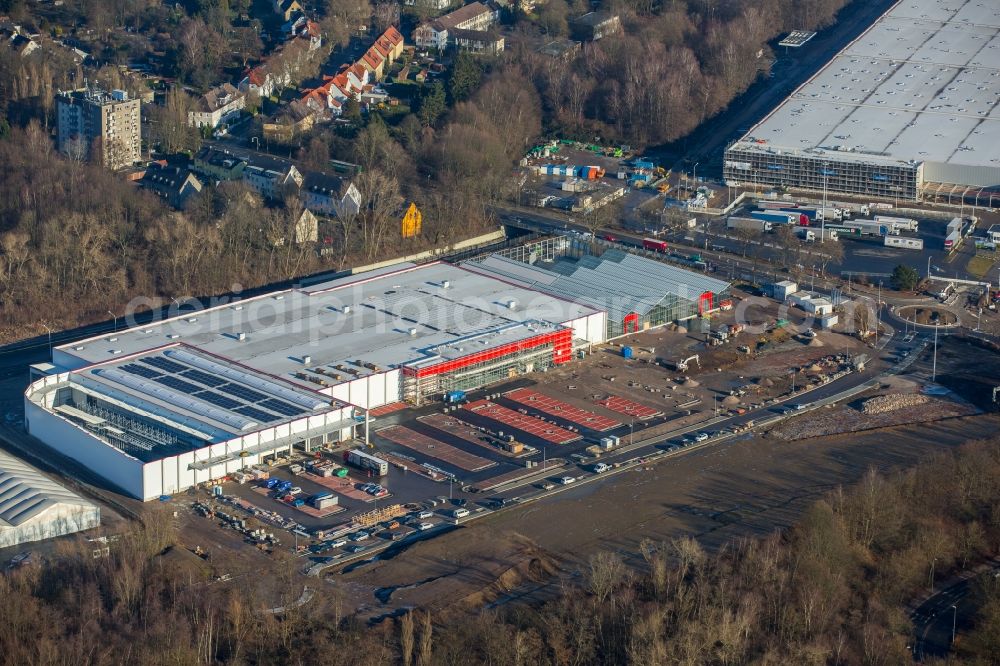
901	223
654	245
627	352
906	243
366	461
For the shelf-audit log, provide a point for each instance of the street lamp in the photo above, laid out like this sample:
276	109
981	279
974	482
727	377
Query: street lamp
954	621
934	367
115	317
631	428
49	331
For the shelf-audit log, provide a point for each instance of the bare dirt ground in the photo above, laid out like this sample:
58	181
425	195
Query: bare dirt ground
850	417
747	487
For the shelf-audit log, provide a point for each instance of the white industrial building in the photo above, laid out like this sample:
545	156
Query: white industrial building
908	110
34	507
157	409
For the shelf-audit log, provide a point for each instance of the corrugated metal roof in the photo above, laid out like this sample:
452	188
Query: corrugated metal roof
617	282
25	492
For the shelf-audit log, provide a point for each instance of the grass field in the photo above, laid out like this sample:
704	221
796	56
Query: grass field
980	264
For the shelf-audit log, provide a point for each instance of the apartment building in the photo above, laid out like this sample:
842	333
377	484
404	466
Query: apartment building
99	125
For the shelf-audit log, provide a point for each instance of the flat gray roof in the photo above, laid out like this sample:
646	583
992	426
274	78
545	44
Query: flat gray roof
921	84
796	38
365	323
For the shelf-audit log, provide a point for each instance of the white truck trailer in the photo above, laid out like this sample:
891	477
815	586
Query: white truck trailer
751	223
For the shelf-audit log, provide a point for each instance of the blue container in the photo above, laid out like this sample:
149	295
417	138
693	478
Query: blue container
217	491
627	352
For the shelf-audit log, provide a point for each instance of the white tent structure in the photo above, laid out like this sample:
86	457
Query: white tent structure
34	507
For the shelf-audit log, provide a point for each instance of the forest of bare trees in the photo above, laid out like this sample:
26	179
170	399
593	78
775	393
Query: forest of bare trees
675	64
830	590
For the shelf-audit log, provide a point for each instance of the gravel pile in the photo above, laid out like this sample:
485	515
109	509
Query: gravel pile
883	404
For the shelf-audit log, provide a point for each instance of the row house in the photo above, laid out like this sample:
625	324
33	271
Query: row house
356	80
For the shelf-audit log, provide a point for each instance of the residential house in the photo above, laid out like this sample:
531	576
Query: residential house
281	68
329	195
561	49
22	45
306	228
477	41
272	183
217	165
173	184
595	25
220	105
287	8
474	16
297	117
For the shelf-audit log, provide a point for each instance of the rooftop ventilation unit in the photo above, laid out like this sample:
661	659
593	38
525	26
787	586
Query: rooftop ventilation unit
241	336
113	339
79	348
512	305
347	309
446	284
413	332
306	360
173	336
191	320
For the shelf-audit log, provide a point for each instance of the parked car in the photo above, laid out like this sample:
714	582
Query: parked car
356	548
459	513
423	527
566	480
295	490
459	501
338	543
798	406
601	468
546	485
425	514
701	436
360	535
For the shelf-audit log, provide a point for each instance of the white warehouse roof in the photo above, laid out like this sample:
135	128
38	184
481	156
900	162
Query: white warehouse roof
922	84
34	507
365	324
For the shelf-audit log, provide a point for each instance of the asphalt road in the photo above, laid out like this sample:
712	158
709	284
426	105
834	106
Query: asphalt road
945	614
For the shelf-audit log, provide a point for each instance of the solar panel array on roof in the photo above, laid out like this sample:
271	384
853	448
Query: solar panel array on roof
140	370
192	386
204	378
164	364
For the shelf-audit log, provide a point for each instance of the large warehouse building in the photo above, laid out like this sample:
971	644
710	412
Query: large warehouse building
909	110
159	408
34	507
